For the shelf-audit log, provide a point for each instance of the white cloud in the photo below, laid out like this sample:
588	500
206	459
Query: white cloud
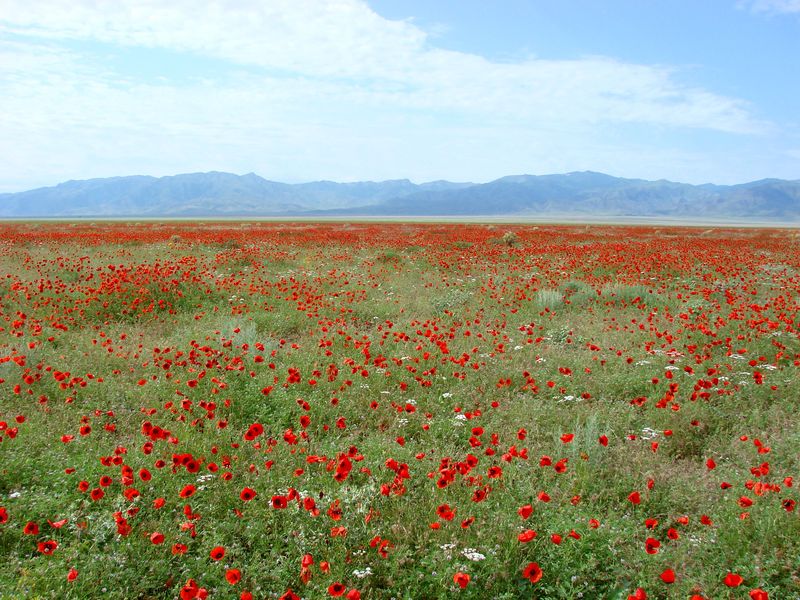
378	60
773	6
323	38
315	88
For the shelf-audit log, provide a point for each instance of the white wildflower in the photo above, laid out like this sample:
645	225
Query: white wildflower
472	554
363	573
648	434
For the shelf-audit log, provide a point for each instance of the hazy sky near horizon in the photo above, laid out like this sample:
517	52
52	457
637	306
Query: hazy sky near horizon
465	90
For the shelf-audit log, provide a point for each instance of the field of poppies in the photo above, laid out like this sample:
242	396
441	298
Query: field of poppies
299	410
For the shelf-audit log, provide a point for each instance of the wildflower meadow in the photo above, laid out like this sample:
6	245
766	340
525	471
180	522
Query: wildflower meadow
395	410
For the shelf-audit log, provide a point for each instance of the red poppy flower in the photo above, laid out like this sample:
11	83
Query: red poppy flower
336	589
47	547
634	498
478	495
651	545
189	590
255	430
733	580
178	549
759	594
233	576
72	575
217	553
188	491
461	579
525	511
247	494
31	528
526	536
156	538
532	572
343	469
445	512
668	576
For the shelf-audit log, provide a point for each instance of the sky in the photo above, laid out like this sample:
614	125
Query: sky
348	90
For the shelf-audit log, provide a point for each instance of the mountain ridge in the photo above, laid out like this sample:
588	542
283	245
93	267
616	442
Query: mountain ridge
587	193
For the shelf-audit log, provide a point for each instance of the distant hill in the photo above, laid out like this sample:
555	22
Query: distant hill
579	194
602	195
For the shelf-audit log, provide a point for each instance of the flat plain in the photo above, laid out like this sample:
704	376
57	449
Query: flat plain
398	410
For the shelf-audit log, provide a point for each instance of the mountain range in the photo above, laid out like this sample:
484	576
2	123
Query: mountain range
577	194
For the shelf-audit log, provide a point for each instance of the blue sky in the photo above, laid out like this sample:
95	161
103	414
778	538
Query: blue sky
466	90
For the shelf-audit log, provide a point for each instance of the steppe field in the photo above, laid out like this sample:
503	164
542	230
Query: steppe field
407	411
